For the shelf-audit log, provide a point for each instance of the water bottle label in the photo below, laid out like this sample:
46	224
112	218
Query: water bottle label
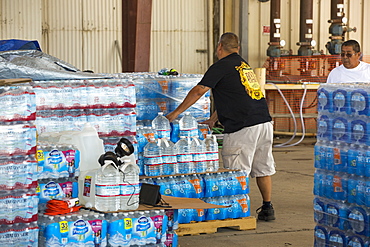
320	234
96	228
153	160
356	216
196	185
164	133
199	157
79	230
103	190
183	158
169	159
127	223
332	210
63	226
129	189
337	157
51	190
336	239
87	186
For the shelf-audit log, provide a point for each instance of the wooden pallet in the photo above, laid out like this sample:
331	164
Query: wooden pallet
205	227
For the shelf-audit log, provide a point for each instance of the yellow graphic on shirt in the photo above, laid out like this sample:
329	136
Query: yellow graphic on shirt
249	81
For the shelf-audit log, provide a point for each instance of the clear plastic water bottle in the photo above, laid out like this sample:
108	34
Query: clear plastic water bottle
199	155
358	131
188	125
360	191
169	156
367	192
161	124
324	127
153	158
319	210
212	161
184	155
332	214
107	186
130	188
320	236
341	131
355	240
351	188
340	100
352	158
358	219
359	101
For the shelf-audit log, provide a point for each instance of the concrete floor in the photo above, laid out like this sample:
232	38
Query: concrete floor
292	200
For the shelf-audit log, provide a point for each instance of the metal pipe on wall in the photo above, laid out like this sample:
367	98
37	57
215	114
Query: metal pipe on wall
305	28
274	49
338	21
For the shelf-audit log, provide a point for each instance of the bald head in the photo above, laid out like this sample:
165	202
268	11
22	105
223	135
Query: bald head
229	42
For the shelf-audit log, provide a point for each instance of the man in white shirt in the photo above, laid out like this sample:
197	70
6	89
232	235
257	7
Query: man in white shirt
352	69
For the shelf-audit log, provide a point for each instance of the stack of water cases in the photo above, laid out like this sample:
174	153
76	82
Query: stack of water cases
130	228
156	93
58	169
18	166
107	104
342	162
143	228
221	188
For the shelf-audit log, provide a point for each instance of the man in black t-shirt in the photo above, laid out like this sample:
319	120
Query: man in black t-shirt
242	109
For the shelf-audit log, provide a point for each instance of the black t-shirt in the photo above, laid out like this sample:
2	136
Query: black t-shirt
236	108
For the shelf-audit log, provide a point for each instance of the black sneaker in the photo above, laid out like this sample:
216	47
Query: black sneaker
266	214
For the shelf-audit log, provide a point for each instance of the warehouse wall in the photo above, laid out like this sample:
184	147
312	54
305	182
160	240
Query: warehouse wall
21	19
80	32
179	36
85	32
259	16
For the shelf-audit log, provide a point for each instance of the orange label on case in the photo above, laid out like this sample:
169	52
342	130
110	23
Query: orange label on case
196	184
149	136
243	182
200	212
337	184
243	203
337	159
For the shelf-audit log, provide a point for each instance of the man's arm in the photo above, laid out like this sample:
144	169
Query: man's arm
194	94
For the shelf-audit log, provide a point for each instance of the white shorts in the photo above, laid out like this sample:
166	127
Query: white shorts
250	149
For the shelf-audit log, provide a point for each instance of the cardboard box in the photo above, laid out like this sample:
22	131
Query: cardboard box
7	82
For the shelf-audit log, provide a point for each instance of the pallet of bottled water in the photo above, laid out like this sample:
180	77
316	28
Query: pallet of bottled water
107	104
342	162
18	166
89	228
155	93
225	188
18	103
182	147
84	94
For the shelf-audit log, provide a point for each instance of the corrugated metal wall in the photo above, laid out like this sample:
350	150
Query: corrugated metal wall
259	16
84	32
20	19
179	36
80	32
